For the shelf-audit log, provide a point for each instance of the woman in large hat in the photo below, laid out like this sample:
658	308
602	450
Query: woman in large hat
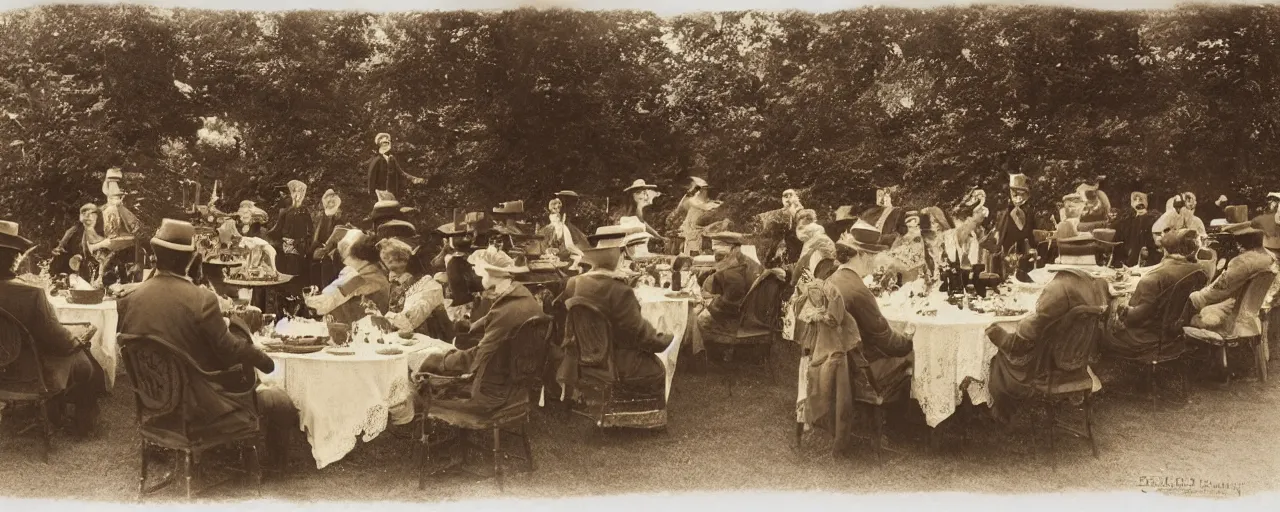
1024	347
560	236
362	279
642	196
417	300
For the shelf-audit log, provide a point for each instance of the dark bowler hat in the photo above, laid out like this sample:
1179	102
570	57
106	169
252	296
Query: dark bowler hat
397	229
175	235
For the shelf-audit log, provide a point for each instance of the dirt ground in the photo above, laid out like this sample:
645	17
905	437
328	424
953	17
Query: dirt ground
717	441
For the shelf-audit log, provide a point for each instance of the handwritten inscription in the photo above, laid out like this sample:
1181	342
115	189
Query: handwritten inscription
1189	486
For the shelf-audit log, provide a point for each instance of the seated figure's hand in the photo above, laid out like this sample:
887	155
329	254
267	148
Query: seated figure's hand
434	362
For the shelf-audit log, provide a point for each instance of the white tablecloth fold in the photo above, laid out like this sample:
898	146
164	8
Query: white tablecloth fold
104	347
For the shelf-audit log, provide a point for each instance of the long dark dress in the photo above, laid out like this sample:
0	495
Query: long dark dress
326	268
292	234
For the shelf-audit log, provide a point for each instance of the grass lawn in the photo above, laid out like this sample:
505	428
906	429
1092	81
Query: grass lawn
719	442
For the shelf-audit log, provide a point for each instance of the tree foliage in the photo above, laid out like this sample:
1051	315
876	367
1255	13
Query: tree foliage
519	104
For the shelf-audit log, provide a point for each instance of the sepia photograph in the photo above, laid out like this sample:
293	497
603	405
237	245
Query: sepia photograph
438	254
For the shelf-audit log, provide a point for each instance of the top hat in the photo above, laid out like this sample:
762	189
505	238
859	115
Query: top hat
639	185
1238	221
509	208
1018	182
9	237
175	235
114	173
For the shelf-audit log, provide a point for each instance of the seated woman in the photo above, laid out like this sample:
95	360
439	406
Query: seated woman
513	304
360	281
77	242
1216	303
417	300
1022	361
1142	335
817	261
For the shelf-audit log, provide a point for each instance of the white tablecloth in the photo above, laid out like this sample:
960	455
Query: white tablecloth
947	353
103	316
341	398
668	316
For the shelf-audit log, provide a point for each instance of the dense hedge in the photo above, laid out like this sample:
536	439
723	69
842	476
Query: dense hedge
519	104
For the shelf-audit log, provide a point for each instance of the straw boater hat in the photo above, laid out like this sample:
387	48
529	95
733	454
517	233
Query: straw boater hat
606	257
639	185
566	193
377	139
495	263
9	237
864	237
1273	197
610	236
175	235
1238	221
1019	182
844	219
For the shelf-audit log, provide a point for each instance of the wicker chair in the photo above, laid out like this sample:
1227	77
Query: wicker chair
1175	312
17	348
164	379
526	356
759	325
1249	310
600	396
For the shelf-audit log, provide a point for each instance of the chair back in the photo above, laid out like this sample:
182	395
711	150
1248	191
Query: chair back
17	351
762	306
1249	306
1074	344
1175	306
589	330
528	351
157	373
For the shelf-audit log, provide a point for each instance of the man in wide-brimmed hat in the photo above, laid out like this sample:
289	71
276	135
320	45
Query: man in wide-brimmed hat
1137	331
512	305
883	372
1014	232
62	357
1015	370
1133	232
384	169
727	286
635	340
168	306
1217	303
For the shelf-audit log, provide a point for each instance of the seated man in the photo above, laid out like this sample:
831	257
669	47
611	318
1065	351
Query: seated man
1217	302
635	341
170	307
887	351
513	304
728	284
1021	362
1140	337
63	359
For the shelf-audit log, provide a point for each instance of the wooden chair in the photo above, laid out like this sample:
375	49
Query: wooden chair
759	324
18	349
1249	309
1072	347
1175	312
524	355
601	397
164	381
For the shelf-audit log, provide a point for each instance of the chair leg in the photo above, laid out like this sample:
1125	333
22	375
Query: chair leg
255	465
1260	356
187	468
528	448
799	435
1152	384
46	431
1053	427
424	453
497	457
1226	369
1088	423
142	477
878	431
